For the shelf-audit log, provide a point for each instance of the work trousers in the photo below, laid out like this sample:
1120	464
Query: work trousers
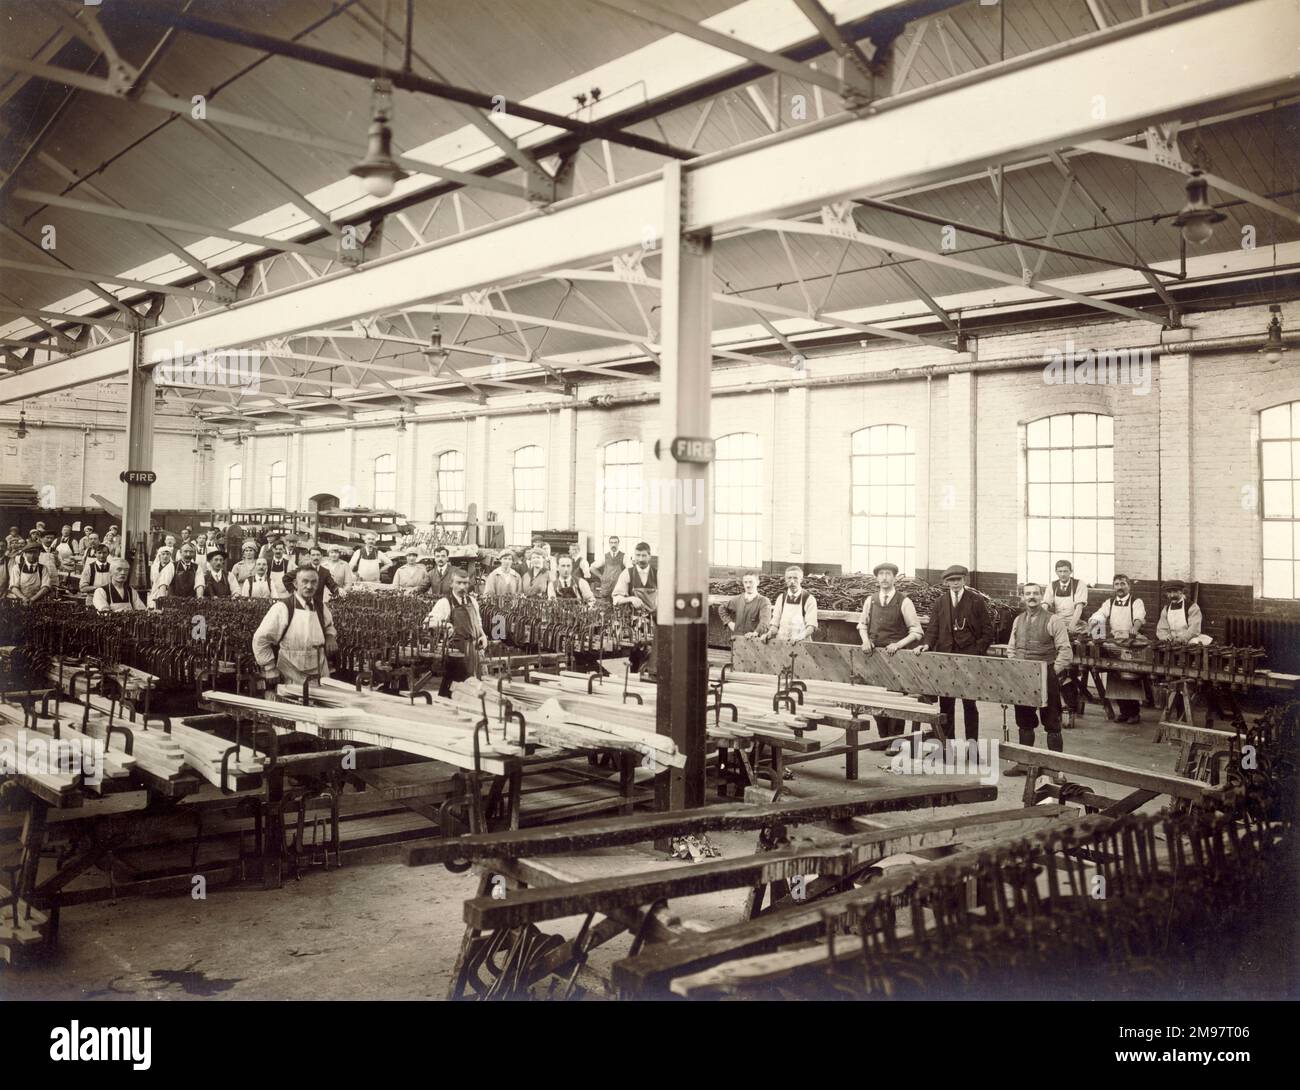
1128	709
1028	717
889	727
970	716
453	670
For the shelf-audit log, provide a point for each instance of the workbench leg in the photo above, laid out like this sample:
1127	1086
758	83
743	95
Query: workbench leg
33	840
1031	787
515	792
459	971
627	782
273	831
851	757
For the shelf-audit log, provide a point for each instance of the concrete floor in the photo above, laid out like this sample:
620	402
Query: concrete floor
377	929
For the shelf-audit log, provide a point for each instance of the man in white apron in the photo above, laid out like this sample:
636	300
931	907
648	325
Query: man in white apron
1180	620
295	639
1121	618
368	563
794	613
1067	597
29	579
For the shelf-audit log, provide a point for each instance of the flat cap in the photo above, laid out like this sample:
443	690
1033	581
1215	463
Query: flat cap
885	565
956	569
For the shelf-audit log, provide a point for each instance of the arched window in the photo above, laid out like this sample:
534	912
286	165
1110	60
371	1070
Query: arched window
738	500
234	485
1279	448
385	483
619	493
529	495
449	484
1070	501
882	518
278	478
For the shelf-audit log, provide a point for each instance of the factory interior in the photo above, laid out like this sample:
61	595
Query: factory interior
695	501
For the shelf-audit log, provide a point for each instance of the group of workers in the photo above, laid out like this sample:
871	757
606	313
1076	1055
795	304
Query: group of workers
959	623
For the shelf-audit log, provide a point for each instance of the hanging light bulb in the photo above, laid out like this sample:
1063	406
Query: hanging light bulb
1273	347
435	353
1198	217
400	426
379	170
239	439
22	423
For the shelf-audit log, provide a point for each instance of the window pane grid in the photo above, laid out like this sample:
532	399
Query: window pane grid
1279	450
529	496
385	483
449	483
1070	496
882	515
737	500
278	478
619	492
235	486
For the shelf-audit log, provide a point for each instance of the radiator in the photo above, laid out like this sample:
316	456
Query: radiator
1278	636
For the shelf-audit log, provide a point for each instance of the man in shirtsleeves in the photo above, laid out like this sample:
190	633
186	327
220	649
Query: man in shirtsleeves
1121	618
368	563
638	586
117	597
567	584
794	613
609	569
458	615
1180	620
296	637
1039	635
889	623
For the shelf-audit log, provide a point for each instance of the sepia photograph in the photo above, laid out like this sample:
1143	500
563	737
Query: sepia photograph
675	502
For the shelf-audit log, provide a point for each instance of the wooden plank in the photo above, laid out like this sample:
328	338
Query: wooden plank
657	966
839	857
632	829
972	677
1164	783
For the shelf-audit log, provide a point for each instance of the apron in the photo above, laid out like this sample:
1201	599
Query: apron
277	574
646	589
1119	685
121	603
792	625
182	585
463	642
369	566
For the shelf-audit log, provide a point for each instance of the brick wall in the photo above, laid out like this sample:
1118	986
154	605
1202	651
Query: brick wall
1189	447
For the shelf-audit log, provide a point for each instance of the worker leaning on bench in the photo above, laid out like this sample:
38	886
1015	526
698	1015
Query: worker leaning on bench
889	623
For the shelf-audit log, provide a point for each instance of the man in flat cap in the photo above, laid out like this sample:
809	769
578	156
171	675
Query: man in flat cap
213	580
959	625
29	580
889	622
1180	620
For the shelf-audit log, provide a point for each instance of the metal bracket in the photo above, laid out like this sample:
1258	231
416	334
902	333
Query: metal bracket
1162	144
628	267
838	219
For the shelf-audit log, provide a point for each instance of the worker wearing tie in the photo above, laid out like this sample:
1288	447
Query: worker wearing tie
567	584
29	579
959	625
794	613
748	613
95	573
889	623
296	637
458	615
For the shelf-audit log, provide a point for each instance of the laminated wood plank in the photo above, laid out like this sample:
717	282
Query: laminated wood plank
972	677
1163	783
652	970
632	829
837	858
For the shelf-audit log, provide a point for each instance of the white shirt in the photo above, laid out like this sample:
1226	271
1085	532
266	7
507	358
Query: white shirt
1123	620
